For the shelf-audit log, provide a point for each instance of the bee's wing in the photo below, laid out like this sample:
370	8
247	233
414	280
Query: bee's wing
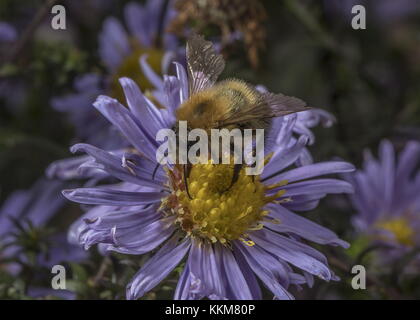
269	105
281	105
203	63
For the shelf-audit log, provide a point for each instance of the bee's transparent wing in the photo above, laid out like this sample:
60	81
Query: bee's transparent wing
281	105
270	105
203	63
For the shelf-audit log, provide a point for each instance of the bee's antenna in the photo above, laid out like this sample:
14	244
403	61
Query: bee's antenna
186	174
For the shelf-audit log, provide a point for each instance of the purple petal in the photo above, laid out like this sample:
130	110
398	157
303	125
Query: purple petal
283	158
311	118
182	76
267	268
172	93
111	197
151	121
249	276
303	205
113	43
206	271
314	170
114	166
150	74
290	222
280	133
157	268
139	240
143	167
407	161
67	169
141	231
123	218
387	156
182	291
135	16
124	120
296	253
73	235
239	289
318	186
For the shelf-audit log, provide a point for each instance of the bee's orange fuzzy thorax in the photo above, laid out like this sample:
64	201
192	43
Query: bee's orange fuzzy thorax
205	108
202	109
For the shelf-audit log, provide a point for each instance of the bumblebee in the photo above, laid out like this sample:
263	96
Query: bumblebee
229	103
226	104
209	108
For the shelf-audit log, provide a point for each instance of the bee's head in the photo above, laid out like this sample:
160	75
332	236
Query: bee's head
202	109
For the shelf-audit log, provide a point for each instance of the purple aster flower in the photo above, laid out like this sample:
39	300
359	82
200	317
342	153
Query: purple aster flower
386	196
226	240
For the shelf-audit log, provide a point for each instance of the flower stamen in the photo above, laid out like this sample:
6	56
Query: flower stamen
214	213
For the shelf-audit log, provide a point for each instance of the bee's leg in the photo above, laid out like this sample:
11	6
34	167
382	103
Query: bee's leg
253	181
236	170
187	170
155	170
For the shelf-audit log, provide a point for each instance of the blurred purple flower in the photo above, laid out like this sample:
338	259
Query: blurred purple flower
12	91
142	213
120	52
31	205
387	196
7	32
125	54
35	207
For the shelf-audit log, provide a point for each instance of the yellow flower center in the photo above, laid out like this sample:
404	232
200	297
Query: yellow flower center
215	211
400	228
130	68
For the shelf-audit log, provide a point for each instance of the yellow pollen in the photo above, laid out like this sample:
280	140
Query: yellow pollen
249	243
268	158
400	228
282	183
215	211
130	68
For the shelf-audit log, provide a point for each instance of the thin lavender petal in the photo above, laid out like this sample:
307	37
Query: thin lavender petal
111	197
157	268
